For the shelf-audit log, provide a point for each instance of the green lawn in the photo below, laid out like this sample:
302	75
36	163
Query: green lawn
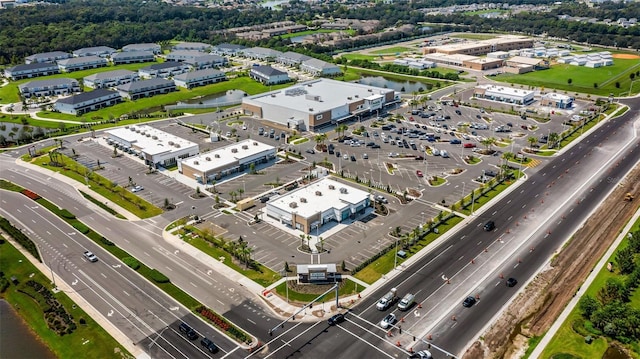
392	50
87	338
569	341
582	78
348	288
357	56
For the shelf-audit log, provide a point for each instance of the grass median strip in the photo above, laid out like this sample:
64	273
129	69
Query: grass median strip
152	275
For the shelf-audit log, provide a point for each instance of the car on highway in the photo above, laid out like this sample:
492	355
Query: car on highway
389	320
209	345
338	318
137	189
419	173
188	331
489	226
90	256
422	354
469	302
511	282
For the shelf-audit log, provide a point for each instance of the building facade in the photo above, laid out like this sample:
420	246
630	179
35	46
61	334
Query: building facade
155	147
557	100
102	51
46	57
199	78
504	94
35	69
164	69
87	102
146	88
310	207
82	63
225	161
146	47
267	75
50	87
131	57
110	79
317	67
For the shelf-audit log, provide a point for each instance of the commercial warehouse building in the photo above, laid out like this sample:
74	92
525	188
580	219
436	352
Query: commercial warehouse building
483	47
504	94
323	201
227	160
154	146
315	104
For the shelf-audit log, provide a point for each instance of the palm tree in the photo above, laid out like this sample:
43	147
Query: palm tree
302	238
321	241
240	192
232	194
532	141
554	137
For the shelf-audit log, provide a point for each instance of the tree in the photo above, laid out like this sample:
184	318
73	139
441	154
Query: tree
532	141
625	260
240	192
554	137
634	241
613	290
252	168
569	81
588	305
321	241
286	267
233	194
302	238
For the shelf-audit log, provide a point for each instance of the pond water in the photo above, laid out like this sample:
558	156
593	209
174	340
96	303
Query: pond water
297	39
16	338
220	98
398	85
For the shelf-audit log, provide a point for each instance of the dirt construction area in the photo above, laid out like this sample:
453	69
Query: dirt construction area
535	309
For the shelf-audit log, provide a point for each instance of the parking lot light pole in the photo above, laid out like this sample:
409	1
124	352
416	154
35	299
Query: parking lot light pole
395	258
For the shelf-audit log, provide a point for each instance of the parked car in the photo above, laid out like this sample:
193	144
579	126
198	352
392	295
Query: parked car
310	151
388	320
419	173
137	189
469	302
353	158
90	256
338	318
188	331
469	145
209	345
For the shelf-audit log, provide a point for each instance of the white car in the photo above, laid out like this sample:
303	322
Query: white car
423	354
388	321
244	127
137	189
90	256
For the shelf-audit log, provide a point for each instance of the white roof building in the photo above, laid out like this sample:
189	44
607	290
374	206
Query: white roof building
226	160
156	147
504	94
322	201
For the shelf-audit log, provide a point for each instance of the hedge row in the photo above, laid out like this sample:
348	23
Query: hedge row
158	276
16	234
131	262
222	323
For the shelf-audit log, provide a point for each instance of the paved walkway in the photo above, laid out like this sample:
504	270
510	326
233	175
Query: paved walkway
583	288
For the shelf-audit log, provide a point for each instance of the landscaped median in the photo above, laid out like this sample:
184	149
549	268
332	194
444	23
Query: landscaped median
66	166
58	322
152	275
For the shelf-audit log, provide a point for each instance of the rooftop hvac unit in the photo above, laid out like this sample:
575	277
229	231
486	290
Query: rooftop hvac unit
311	110
255	143
216	155
148	135
245	147
349	98
196	163
332	186
370	90
293	205
155	137
208	158
170	143
357	96
234	150
343	190
303	200
177	145
318	193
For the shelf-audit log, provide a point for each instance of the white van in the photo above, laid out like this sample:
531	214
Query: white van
406	302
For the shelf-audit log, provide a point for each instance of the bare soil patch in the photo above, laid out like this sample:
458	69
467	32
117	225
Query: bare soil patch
625	56
533	312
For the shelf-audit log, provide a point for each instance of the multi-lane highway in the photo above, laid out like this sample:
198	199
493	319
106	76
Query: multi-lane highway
532	223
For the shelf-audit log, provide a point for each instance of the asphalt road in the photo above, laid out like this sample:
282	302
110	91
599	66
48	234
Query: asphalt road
538	216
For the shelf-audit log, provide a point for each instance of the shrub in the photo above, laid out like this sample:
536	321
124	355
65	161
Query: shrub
105	241
66	214
131	262
81	227
158	277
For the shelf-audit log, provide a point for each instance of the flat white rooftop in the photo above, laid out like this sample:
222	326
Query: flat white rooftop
151	140
330	196
557	96
226	156
502	90
318	95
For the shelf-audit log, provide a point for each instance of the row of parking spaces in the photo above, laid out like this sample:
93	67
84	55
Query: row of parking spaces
426	212
273	257
282	172
174	187
185	132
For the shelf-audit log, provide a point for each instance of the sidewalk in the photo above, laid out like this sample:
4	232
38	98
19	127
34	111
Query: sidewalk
583	288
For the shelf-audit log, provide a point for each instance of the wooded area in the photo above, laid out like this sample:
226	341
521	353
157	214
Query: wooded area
75	24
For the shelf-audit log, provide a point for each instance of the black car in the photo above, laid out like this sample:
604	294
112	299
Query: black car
337	153
338	318
375	146
188	331
511	282
264	199
469	302
458	112
353	158
489	226
209	345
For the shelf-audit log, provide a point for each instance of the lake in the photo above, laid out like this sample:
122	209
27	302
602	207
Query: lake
398	85
17	341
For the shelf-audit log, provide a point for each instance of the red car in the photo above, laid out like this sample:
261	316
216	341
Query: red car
419	173
469	145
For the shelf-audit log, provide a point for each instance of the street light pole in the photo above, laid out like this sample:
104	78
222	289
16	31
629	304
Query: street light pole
395	257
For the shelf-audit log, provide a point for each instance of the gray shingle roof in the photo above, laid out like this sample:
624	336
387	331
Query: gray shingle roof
144	84
110	75
47	83
163	65
197	74
86	96
33	66
268	71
